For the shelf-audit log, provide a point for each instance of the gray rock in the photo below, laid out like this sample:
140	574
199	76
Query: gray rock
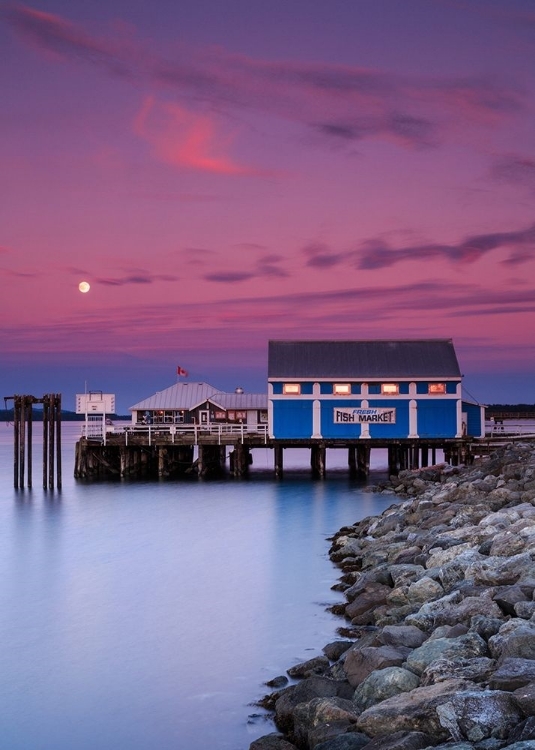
334	650
525	610
359	663
382	684
322	718
524	731
525	697
466	646
366	602
347	741
476	715
277	682
307	690
486	626
516	638
513	674
272	741
478	670
401	741
415	711
424	589
500	571
507	596
402	635
317	665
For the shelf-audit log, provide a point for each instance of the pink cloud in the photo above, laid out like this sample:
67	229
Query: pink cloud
186	139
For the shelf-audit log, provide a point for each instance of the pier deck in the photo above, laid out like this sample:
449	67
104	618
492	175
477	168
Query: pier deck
173	450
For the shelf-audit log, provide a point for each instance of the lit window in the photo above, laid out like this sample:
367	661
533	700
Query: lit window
293	389
390	389
342	389
436	388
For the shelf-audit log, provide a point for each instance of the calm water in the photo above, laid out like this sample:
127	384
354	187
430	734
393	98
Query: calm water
149	615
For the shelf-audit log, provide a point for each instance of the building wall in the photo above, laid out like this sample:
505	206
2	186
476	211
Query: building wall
417	413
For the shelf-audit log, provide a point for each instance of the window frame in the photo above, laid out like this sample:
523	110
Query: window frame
337	389
436	389
385	392
291	389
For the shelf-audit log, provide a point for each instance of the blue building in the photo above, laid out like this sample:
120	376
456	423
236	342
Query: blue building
382	389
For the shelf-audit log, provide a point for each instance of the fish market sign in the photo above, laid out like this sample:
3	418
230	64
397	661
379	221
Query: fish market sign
364	416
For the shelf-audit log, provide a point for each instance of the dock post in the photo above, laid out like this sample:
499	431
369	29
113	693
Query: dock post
363	461
317	459
240	460
278	456
58	440
425	456
352	460
209	461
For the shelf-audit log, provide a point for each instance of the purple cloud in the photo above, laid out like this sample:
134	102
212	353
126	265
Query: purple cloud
144	278
515	170
376	254
229	277
344	103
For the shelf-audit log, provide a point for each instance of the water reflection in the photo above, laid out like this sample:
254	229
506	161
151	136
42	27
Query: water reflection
149	614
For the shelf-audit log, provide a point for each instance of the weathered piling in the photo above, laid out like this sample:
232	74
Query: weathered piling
23	435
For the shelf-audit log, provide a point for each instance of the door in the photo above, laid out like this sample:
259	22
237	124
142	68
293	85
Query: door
204	417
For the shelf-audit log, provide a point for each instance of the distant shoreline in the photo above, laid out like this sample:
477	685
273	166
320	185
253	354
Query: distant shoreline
6	415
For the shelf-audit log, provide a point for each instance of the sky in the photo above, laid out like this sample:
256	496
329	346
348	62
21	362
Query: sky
225	173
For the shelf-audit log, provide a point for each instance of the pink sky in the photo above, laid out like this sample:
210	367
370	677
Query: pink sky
226	173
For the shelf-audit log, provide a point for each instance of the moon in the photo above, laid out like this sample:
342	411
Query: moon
84	287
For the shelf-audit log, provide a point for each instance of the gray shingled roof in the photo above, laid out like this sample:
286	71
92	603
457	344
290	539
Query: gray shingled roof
423	358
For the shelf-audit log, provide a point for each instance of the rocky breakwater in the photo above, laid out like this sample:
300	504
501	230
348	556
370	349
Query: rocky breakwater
438	648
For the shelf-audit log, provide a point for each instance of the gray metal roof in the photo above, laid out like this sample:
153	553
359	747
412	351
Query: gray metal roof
418	358
187	396
241	400
183	395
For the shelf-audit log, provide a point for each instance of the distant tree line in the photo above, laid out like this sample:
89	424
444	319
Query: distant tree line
520	408
6	415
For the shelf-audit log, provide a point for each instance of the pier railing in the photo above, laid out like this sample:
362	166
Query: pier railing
505	429
191	433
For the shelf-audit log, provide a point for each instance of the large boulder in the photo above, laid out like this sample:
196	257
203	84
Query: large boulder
322	718
477	715
465	647
407	636
479	670
383	684
513	674
347	741
272	741
415	711
307	690
359	663
317	665
516	638
402	741
525	697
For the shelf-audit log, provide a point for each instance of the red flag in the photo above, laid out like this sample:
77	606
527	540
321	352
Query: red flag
180	371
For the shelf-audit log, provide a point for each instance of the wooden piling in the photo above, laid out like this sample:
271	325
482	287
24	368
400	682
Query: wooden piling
317	459
278	460
363	461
